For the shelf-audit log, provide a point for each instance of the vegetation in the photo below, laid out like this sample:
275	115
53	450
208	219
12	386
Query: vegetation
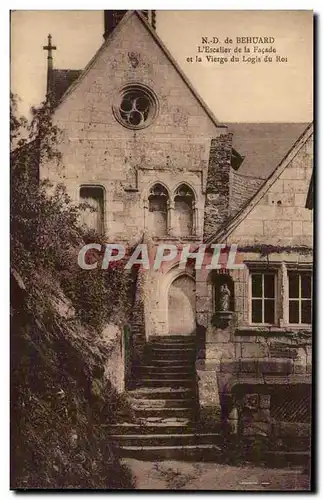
62	402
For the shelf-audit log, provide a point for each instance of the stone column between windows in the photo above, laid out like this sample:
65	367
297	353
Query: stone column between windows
146	207
284	295
170	217
195	228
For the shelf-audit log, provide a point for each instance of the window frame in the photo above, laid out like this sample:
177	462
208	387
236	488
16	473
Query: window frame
299	272
147	93
280	268
96	186
189	195
262	271
163	193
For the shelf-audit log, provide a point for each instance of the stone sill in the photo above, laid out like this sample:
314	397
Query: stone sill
176	238
273	330
265	380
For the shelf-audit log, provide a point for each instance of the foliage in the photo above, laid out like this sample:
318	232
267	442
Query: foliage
99	296
17	124
45	230
61	400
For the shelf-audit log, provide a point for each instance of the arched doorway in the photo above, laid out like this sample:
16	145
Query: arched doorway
181	306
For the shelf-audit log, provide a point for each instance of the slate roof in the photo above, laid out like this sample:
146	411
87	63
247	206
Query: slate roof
263	145
242	189
62	79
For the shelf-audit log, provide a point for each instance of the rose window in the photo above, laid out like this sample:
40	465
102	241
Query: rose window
136	107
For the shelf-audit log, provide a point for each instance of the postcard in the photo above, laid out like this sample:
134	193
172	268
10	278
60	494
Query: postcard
161	250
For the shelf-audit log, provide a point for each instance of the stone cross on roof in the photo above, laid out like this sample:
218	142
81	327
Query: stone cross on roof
49	47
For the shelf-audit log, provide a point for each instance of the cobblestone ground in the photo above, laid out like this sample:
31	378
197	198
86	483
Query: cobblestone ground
177	475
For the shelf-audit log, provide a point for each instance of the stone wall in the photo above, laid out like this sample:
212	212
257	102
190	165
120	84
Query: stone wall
240	366
280	217
249	362
98	150
241	358
217	199
112	336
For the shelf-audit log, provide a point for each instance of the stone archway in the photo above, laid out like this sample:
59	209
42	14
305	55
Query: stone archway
181	306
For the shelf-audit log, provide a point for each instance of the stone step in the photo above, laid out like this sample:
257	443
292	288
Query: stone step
137	403
170	346
164	405
173	339
157	374
179	355
161	413
161	393
166	362
166	439
174	383
166	426
173	368
196	452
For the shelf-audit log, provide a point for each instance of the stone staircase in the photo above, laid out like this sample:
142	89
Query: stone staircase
165	407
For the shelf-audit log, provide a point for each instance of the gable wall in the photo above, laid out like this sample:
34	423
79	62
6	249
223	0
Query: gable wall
280	217
97	149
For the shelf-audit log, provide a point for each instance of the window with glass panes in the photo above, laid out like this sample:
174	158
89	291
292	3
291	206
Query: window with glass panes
263	295
300	297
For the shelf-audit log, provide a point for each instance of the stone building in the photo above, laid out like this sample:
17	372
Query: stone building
143	148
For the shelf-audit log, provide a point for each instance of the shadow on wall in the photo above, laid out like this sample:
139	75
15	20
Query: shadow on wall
200	341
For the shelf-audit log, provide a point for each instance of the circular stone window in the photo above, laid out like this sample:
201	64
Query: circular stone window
136	106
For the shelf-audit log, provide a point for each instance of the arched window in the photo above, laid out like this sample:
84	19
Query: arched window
158	205
92	216
184	211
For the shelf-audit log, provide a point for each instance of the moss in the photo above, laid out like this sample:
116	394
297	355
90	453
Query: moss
263	249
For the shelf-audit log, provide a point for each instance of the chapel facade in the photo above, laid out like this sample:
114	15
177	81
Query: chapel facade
141	146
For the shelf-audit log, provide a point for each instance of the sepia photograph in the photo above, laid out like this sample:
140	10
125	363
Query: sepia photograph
161	250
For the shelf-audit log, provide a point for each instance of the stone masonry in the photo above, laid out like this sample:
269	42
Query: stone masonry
241	366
